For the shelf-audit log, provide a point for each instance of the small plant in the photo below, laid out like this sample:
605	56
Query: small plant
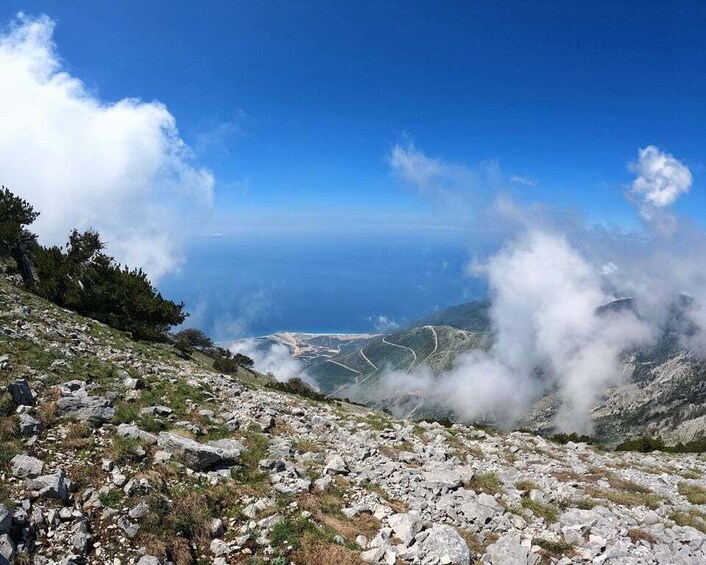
563	438
637	535
110	498
553	548
548	512
526	485
694	493
485	482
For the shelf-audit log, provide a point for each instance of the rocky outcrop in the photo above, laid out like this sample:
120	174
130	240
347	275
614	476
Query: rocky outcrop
89	408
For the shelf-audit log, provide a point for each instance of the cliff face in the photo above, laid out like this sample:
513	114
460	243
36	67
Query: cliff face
113	451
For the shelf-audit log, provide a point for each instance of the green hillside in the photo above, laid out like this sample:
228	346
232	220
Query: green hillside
472	316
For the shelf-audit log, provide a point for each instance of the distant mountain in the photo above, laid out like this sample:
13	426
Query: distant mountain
664	392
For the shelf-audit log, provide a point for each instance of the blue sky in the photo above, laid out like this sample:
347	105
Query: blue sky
296	106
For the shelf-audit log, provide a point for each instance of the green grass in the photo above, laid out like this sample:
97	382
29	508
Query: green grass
123	449
248	472
110	498
485	482
174	395
526	485
548	512
290	532
554	548
693	518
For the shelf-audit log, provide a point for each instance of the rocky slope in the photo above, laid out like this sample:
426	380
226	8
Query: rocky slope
117	452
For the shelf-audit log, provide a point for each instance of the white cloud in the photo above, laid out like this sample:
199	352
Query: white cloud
454	189
383	324
516	179
275	358
661	178
119	167
547	283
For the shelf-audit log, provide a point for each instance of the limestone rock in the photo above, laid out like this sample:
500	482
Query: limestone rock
24	466
90	408
445	544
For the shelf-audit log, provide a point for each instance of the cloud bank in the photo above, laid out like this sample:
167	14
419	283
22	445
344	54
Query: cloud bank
548	283
119	167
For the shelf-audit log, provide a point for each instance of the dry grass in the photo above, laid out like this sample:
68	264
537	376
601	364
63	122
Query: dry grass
695	494
314	551
637	535
484	482
326	509
693	518
46	413
8	428
626	498
526	485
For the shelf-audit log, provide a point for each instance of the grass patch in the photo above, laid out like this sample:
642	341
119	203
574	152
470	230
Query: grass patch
314	551
110	498
526	485
484	482
126	413
326	509
248	472
694	493
693	518
626	498
124	450
548	512
552	548
637	535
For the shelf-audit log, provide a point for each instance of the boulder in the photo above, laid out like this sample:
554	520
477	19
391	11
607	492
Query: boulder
156	411
579	517
445	544
336	465
148	560
442	477
91	408
195	455
21	394
81	539
51	486
133	432
7	548
507	551
24	466
29	426
230	448
5	519
481	509
406	525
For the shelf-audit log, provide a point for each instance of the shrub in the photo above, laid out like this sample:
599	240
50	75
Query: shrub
83	278
226	362
298	387
643	445
647	444
191	338
563	438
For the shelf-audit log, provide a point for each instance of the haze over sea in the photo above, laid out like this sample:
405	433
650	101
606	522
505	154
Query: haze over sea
237	286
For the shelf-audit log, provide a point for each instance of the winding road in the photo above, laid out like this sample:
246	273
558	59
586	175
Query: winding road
414	355
345	366
364	356
436	343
